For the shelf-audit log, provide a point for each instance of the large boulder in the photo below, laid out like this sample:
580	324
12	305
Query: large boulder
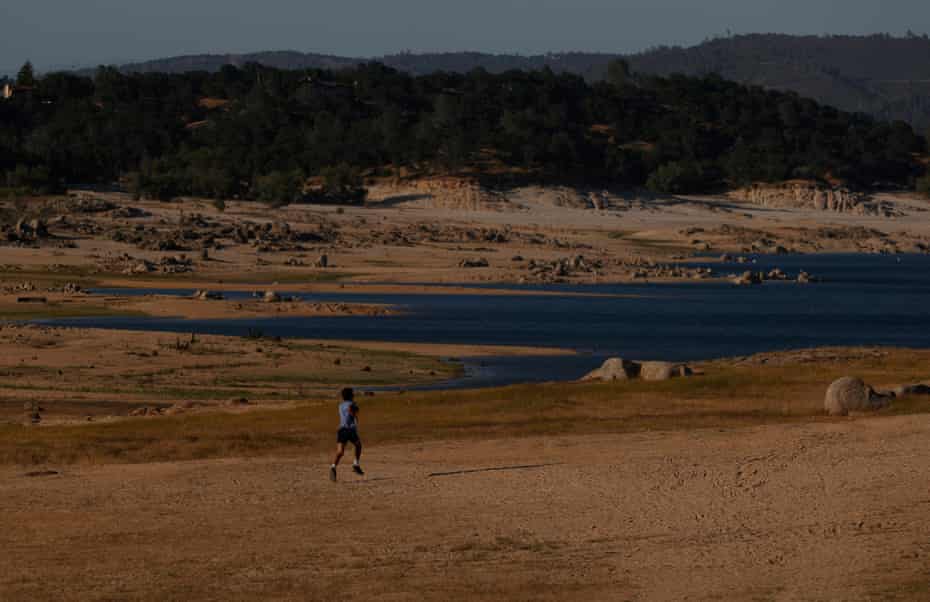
615	368
850	394
663	370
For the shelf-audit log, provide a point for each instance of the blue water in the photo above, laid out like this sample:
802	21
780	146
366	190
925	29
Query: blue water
863	300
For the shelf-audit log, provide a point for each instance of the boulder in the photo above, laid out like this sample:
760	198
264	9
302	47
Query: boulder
39	229
208	296
474	263
776	274
271	297
850	394
22	230
615	368
663	370
748	278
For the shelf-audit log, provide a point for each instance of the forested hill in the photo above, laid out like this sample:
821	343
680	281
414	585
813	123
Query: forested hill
885	76
260	132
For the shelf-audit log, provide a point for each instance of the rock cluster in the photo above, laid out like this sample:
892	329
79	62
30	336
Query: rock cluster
172	264
750	278
617	368
89	205
812	195
426	232
25	231
564	267
645	269
129	213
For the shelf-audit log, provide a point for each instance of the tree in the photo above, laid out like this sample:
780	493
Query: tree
681	177
33	180
279	188
618	72
26	76
343	183
923	185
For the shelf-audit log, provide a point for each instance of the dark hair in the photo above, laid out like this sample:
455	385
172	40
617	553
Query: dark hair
348	393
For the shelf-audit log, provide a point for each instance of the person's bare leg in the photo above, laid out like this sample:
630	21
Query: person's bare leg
356	467
340	451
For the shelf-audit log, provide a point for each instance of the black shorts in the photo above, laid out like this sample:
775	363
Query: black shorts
348	436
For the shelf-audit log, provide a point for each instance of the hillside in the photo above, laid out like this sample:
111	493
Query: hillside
884	76
259	132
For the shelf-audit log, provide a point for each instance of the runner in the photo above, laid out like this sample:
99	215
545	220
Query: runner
348	432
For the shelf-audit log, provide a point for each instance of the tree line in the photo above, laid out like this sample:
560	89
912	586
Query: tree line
259	132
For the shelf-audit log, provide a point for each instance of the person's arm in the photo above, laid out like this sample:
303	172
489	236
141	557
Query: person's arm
353	409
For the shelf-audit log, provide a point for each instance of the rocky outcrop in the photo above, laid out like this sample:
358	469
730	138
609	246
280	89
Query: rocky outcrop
850	394
617	368
25	232
801	194
663	371
441	192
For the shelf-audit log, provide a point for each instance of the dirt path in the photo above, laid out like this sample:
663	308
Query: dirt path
824	511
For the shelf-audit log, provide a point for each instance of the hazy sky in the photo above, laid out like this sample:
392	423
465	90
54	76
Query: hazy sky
63	33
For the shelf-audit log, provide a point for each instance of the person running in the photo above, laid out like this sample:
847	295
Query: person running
348	432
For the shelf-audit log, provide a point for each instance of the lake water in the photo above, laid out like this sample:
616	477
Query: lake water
863	300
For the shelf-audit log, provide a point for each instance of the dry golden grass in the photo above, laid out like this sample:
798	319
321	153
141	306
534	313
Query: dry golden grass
724	397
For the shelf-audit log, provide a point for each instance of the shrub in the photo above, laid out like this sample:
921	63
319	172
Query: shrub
677	178
279	188
923	185
343	183
35	180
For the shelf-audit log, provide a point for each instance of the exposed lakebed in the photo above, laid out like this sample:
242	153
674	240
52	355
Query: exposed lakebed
863	300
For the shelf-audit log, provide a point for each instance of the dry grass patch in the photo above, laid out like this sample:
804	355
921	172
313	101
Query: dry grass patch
725	397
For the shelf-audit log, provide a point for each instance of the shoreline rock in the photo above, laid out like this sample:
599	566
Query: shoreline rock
616	368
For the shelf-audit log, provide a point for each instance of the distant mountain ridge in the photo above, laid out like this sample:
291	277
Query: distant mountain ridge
888	77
